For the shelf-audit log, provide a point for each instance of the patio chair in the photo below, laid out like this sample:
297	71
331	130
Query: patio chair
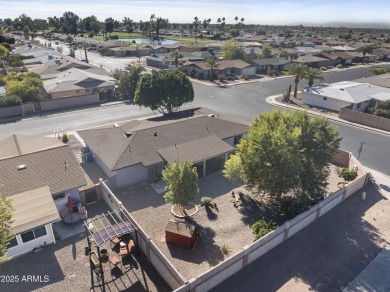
116	240
63	213
127	249
115	261
82	211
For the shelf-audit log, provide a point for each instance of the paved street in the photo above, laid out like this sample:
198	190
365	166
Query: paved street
242	101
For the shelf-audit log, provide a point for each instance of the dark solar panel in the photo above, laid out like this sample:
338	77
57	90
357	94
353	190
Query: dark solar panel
112	231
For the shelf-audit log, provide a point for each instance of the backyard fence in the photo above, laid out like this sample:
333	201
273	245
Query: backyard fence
250	253
153	254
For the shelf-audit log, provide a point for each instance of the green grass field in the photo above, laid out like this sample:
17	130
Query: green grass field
125	35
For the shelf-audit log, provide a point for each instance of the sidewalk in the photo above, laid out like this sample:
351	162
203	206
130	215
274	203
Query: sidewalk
382	181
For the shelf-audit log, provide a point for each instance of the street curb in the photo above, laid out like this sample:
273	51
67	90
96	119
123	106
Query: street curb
271	100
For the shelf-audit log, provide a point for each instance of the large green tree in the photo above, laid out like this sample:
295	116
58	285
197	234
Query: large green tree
128	80
182	183
28	86
298	70
3	51
231	50
265	53
286	154
164	91
313	74
6	220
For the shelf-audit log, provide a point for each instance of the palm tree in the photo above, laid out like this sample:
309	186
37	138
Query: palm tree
212	64
242	20
196	24
298	70
236	19
313	74
134	73
284	54
176	55
84	45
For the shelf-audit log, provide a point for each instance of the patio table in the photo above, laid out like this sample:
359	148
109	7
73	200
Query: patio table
71	218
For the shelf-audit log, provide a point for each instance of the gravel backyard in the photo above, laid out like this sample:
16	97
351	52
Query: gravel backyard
222	231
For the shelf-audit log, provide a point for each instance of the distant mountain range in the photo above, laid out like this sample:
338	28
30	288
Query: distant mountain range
349	24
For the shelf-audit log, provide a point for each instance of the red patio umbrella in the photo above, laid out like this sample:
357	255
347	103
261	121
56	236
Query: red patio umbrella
70	205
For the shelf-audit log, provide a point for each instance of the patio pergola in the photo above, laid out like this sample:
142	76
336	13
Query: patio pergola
103	228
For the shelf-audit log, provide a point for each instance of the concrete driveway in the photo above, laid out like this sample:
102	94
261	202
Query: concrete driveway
325	256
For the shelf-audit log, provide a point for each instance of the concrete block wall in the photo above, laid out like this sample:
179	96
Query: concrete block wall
364	119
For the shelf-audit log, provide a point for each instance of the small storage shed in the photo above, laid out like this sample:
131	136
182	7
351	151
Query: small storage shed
181	234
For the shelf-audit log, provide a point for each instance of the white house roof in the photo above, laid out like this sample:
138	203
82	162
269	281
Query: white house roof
381	96
344	48
349	91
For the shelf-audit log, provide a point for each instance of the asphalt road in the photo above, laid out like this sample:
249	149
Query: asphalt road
242	101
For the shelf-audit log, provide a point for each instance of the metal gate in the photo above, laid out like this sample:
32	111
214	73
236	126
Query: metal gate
91	195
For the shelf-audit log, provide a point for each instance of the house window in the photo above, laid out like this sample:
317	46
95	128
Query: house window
237	139
87	90
358	105
12	243
60	196
33	234
324	98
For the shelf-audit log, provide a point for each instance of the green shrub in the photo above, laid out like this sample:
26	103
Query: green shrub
323	68
221	77
192	73
65	138
262	227
91	35
114	37
206	201
347	174
379	70
200	75
9	100
339	66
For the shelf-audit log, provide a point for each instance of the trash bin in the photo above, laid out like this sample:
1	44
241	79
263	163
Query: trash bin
88	157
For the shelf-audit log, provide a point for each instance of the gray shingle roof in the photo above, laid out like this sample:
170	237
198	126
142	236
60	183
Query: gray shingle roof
195	150
44	168
149	137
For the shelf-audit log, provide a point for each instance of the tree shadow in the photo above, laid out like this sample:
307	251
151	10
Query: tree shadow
326	255
205	248
210	214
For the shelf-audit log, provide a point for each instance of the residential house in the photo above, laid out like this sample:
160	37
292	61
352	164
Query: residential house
354	95
309	50
382	53
357	57
77	82
166	61
344	48
138	150
37	174
271	64
313	61
225	67
130	51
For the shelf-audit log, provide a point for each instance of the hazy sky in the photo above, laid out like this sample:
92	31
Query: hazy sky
253	11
